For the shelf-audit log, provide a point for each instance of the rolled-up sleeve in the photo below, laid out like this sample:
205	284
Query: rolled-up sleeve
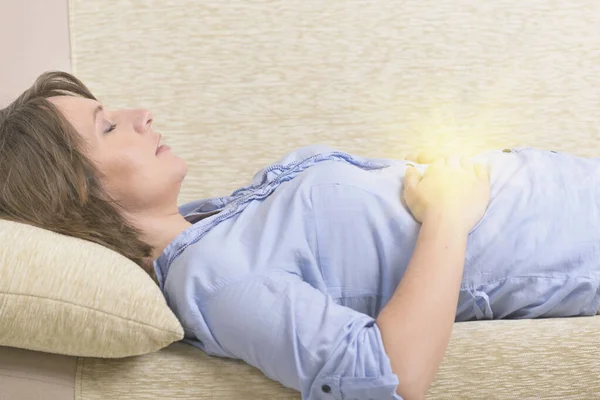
300	337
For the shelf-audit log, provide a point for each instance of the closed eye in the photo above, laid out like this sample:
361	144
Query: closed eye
111	128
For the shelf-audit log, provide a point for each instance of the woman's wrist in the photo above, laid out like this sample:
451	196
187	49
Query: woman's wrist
447	220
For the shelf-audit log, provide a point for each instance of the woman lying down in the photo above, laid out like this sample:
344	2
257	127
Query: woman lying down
336	275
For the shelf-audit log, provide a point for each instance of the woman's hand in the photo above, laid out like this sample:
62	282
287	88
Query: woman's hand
459	192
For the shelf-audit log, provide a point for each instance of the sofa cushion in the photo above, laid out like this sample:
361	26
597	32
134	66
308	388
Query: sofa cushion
64	295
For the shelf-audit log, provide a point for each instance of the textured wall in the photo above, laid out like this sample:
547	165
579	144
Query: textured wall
235	84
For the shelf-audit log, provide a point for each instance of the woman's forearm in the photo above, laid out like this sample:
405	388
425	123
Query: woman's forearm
416	323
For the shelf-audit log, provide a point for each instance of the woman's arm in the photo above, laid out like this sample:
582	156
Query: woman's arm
417	321
297	335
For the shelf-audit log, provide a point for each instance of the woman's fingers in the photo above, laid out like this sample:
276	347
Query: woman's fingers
450	188
412	178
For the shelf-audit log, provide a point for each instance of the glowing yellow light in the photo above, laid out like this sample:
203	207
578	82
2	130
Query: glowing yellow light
452	129
441	117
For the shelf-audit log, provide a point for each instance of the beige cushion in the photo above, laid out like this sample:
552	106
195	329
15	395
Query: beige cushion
64	295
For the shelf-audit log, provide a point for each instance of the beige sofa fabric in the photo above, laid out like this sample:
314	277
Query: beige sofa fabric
178	372
235	84
554	358
521	359
30	375
536	359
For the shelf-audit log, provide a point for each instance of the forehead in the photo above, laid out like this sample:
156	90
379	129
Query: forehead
78	111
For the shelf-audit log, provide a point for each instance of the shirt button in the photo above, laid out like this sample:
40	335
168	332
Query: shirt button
507	151
326	388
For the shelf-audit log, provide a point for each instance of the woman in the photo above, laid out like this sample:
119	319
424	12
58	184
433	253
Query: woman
317	272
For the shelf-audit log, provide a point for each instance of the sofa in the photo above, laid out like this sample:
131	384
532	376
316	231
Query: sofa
536	359
236	84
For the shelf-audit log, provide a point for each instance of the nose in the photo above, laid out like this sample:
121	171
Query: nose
143	121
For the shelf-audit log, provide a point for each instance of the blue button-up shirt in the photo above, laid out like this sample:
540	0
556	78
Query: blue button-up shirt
290	272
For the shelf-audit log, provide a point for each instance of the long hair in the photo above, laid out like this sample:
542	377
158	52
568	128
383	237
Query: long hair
47	181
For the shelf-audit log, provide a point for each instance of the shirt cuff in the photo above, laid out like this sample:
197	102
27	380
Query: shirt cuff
351	388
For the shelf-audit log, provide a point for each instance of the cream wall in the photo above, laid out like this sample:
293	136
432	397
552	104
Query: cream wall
235	84
34	37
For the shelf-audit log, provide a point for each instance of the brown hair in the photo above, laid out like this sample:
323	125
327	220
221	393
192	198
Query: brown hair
47	181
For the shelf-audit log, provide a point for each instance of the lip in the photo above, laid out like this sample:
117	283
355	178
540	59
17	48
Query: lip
162	148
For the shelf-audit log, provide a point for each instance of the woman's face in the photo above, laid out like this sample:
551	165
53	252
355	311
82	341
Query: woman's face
138	171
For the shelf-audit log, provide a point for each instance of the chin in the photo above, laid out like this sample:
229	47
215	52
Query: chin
174	166
181	167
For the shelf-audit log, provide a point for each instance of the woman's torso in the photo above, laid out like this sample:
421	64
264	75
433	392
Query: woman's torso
342	227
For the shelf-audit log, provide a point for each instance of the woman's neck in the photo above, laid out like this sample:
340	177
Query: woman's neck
160	230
